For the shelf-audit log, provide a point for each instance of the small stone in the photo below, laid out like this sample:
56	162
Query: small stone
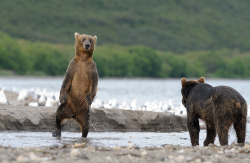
217	156
5	161
22	158
197	160
162	159
63	146
75	153
180	158
54	146
143	153
117	148
232	150
34	157
189	158
82	145
92	148
212	145
130	146
104	149
247	146
180	151
136	147
170	156
152	148
220	152
229	155
242	151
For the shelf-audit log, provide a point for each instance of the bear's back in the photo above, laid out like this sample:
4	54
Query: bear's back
200	93
226	92
228	96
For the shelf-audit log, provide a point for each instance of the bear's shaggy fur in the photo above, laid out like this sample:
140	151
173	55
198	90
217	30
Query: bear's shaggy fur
79	86
219	107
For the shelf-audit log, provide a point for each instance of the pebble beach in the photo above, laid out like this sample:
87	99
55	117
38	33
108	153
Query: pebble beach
128	154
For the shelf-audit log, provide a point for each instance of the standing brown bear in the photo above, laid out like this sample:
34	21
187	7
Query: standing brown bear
79	86
219	107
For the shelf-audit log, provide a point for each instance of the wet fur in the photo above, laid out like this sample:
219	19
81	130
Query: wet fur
79	86
219	107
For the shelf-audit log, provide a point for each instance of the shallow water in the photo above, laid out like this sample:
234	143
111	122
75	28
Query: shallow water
105	139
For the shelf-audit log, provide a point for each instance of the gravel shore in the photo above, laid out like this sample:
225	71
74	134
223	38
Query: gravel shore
95	154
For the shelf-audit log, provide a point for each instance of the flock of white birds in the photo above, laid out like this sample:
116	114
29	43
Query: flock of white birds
3	99
43	97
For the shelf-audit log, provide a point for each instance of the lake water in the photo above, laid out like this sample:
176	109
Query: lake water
106	139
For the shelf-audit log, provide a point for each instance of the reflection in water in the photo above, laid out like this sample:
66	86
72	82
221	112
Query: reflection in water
105	139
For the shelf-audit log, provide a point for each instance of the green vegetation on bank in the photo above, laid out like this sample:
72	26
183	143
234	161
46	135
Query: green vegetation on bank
27	58
179	26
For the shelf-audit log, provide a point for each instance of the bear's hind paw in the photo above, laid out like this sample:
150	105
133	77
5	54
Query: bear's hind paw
56	133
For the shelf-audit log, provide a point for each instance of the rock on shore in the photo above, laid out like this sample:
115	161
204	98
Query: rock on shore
43	119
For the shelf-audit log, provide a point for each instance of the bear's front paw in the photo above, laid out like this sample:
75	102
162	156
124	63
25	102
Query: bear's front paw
56	133
63	99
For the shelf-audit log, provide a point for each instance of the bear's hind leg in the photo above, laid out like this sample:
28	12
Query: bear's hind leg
211	134
222	130
240	129
83	119
194	130
63	112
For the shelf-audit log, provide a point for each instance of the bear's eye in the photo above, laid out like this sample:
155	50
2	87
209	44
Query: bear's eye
90	40
83	39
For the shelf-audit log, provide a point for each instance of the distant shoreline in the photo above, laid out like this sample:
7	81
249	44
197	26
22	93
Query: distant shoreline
140	78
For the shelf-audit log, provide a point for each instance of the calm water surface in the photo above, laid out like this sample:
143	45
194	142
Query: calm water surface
106	139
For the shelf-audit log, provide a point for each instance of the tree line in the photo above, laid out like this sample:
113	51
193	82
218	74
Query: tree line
27	58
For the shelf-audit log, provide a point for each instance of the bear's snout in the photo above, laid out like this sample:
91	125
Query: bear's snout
87	46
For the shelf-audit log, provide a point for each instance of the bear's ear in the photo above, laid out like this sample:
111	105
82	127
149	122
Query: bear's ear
76	35
183	81
95	38
201	80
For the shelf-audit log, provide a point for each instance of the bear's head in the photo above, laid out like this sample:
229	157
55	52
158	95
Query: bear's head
85	43
187	87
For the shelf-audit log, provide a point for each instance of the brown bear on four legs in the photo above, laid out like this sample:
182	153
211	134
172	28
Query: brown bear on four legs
79	86
219	107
